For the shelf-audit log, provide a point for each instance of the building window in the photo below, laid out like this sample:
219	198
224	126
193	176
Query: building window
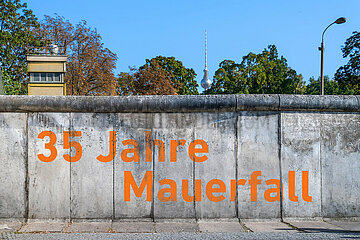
43	77
46	77
36	77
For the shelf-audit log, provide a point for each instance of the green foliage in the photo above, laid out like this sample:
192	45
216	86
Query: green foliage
331	87
263	73
2	91
182	77
348	76
125	83
12	86
90	66
16	23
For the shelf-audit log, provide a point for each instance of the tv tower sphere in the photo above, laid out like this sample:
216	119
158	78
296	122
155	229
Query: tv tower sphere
206	82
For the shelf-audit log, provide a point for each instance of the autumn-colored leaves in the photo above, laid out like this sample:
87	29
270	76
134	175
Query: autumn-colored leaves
90	66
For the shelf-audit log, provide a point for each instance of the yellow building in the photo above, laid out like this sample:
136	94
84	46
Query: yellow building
46	74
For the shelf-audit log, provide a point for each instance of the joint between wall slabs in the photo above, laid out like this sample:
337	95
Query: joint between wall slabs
194	165
321	167
152	209
280	170
26	214
236	154
70	152
236	158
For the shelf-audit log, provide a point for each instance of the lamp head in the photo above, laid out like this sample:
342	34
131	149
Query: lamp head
340	20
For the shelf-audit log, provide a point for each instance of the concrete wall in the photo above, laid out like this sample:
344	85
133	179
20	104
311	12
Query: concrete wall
274	134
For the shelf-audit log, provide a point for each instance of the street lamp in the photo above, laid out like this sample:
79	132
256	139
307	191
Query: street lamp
321	48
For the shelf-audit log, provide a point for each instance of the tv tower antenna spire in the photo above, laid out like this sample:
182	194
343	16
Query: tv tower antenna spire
205	49
205	82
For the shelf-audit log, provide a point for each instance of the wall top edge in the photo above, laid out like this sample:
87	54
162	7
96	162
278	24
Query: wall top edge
192	103
45	58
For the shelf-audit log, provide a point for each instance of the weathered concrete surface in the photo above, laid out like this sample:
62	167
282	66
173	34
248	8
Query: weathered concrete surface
91	179
316	226
273	134
9	226
217	130
257	102
258	150
139	104
327	103
131	126
167	128
202	226
174	227
340	157
89	227
49	182
269	227
13	154
180	103
47	227
133	227
300	151
222	226
346	225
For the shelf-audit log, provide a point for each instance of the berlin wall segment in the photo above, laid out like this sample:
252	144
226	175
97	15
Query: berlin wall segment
300	150
182	163
12	165
89	147
49	184
340	160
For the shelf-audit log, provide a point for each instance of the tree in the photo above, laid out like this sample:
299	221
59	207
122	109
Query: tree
90	66
348	76
16	24
183	78
12	86
263	73
146	81
125	83
331	87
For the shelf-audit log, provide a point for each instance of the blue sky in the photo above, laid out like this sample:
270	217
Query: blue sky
138	29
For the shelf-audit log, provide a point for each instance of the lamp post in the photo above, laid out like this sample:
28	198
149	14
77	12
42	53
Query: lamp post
321	48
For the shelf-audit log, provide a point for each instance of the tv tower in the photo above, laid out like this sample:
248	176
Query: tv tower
205	82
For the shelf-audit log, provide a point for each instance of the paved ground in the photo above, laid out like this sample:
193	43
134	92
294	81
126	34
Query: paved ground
200	236
181	230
